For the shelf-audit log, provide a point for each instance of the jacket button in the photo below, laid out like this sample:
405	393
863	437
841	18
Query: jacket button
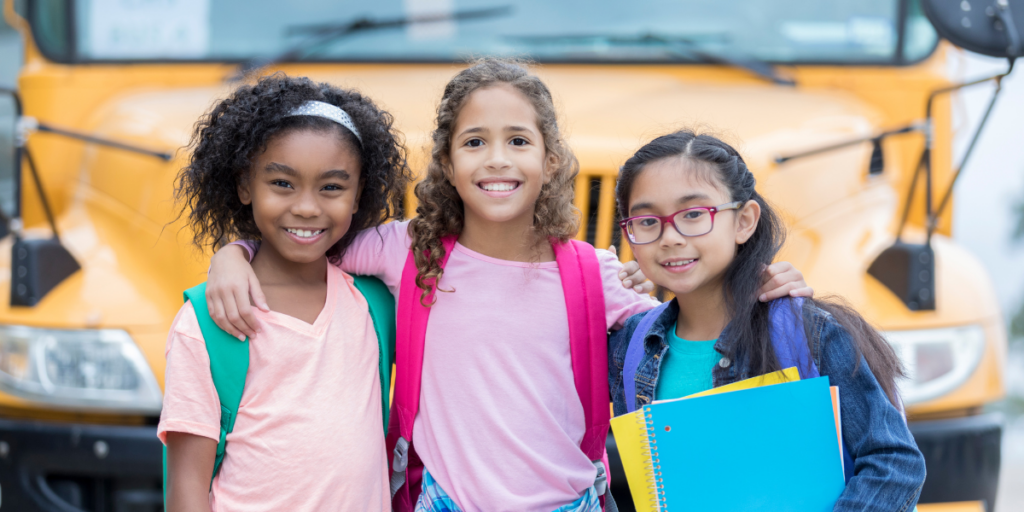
724	362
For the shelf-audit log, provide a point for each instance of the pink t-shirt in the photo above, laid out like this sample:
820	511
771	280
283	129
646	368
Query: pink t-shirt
309	433
499	421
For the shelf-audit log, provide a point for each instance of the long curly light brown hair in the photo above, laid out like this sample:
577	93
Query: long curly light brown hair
440	211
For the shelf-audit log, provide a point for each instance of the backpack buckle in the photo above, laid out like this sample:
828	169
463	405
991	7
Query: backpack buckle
401	461
601	480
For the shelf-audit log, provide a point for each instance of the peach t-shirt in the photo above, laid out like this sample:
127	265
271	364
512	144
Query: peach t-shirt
309	432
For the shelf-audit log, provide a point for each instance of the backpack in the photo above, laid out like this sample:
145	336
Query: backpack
588	338
229	358
789	340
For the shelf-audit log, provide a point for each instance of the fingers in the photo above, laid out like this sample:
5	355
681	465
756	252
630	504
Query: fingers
245	319
231	317
613	250
773	270
628	274
779	279
806	291
633	277
257	293
628	269
216	307
781	291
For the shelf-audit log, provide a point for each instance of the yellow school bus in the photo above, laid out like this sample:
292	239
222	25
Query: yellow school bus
828	101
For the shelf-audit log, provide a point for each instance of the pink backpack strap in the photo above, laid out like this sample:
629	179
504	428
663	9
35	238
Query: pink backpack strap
588	339
411	332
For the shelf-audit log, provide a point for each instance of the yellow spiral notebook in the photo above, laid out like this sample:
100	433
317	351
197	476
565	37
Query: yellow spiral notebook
631	436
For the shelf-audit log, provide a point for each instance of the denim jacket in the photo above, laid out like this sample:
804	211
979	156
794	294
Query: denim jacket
889	470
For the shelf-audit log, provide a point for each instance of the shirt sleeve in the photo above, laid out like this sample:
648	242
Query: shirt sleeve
620	302
191	404
380	252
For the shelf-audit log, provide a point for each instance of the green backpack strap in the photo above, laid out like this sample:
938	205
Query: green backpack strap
229	363
382	311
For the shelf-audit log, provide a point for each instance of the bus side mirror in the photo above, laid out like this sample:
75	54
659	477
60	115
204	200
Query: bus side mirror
908	270
988	27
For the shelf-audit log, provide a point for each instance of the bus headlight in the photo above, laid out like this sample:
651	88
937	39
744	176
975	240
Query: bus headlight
937	360
79	369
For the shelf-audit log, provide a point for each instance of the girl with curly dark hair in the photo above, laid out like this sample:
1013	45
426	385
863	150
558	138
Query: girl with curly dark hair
500	418
301	167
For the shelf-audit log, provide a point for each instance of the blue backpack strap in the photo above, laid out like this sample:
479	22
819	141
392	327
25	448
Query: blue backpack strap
635	354
789	339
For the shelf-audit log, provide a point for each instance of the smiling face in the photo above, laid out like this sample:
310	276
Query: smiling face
303	190
685	265
498	161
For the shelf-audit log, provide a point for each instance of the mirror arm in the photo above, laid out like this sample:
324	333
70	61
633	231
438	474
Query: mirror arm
71	134
932	216
914	127
42	193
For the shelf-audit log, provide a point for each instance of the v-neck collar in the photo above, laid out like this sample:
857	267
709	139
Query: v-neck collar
323	319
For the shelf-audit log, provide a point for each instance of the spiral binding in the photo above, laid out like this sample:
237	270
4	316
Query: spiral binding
652	464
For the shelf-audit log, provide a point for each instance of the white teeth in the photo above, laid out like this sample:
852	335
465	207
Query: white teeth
679	263
499	187
304	233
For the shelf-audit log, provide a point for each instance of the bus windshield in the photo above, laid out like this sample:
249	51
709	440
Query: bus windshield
780	31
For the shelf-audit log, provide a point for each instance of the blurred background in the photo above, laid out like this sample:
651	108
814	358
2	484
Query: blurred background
987	219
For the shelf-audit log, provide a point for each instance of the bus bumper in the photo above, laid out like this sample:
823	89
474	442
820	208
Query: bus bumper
962	456
70	467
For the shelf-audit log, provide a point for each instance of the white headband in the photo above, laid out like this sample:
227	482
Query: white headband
327	111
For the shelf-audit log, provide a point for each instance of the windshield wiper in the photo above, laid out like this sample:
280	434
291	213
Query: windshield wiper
678	46
324	34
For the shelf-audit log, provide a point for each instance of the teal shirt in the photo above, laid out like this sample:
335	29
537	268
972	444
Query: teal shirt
686	367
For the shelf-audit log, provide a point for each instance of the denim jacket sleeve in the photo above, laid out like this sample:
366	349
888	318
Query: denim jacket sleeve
618	341
889	469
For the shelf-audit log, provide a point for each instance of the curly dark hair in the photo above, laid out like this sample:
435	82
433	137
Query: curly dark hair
440	211
227	140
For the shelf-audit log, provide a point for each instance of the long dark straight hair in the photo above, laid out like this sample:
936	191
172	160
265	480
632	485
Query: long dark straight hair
749	317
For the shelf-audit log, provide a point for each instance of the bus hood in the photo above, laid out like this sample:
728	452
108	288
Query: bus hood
122	222
606	115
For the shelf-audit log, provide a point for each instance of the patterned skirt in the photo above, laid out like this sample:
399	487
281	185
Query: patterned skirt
434	499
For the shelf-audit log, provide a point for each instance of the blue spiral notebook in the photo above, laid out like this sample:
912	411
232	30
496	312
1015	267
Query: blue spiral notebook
770	448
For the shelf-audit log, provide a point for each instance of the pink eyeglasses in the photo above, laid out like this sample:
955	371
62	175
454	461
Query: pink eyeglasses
696	221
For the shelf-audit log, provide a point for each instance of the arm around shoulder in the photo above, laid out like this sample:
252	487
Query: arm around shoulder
229	285
620	303
380	251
